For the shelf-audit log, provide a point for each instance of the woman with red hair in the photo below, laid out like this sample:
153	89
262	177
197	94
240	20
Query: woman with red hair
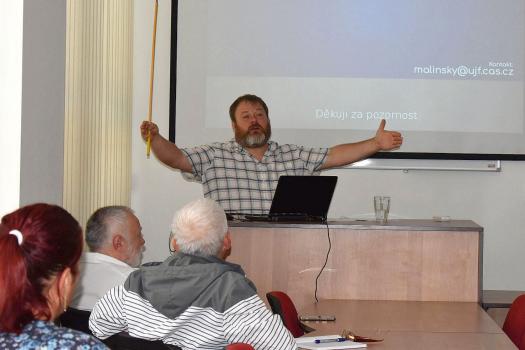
40	246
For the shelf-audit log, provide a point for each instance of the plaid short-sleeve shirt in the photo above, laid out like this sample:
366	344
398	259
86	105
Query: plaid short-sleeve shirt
242	184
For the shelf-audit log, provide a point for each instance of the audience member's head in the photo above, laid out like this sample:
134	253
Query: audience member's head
200	228
116	231
40	246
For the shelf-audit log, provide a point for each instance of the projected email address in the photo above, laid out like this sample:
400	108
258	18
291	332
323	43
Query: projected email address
465	71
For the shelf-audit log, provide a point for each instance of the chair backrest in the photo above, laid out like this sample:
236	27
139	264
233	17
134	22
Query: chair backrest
514	325
79	320
76	319
239	346
124	341
283	306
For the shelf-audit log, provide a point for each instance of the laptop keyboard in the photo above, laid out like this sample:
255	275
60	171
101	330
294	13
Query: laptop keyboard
284	217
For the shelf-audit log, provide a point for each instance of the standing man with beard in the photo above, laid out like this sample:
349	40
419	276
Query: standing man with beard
242	174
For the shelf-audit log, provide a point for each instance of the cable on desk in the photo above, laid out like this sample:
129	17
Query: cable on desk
325	261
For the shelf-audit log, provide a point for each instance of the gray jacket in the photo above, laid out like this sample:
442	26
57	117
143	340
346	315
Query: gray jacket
184	280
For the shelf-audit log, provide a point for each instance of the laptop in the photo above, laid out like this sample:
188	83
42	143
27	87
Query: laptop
300	198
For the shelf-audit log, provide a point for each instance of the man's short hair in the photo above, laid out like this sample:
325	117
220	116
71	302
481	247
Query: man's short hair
99	224
246	98
200	227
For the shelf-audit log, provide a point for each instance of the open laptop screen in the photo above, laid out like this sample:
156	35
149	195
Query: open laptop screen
308	197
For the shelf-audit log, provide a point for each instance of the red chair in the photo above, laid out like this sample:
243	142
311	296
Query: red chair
514	325
283	306
239	346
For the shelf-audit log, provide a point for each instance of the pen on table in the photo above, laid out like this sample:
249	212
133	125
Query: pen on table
331	340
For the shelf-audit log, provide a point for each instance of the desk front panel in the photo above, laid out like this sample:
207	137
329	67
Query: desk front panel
363	264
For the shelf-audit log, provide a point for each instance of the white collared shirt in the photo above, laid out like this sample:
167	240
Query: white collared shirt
98	274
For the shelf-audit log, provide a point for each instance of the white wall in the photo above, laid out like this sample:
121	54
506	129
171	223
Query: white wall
43	81
11	32
495	201
156	191
32	34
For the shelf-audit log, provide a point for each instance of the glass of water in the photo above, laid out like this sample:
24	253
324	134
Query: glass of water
381	208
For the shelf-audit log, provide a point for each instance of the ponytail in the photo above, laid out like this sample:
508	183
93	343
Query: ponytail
13	284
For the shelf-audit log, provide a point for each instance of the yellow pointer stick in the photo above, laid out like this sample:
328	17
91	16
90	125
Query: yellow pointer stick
152	73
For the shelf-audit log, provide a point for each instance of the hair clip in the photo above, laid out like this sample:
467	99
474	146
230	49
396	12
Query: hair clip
18	235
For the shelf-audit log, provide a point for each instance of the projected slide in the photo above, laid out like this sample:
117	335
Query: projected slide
437	66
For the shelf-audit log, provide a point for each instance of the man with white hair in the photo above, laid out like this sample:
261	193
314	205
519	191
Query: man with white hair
114	238
194	299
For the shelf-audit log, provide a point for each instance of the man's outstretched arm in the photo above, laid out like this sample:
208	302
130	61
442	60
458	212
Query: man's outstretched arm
348	153
165	151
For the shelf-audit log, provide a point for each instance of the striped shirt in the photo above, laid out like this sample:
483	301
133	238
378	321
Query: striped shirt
248	321
242	184
192	302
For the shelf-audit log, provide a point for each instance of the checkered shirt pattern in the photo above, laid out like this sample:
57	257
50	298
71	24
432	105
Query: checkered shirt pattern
242	184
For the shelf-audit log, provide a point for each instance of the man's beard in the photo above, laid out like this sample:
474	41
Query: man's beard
259	139
135	258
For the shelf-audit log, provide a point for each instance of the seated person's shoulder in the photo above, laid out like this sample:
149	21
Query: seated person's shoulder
76	338
237	286
46	335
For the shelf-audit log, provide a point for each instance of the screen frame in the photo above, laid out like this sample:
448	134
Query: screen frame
380	155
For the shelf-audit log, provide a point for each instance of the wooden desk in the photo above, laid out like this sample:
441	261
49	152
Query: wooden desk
418	260
412	325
